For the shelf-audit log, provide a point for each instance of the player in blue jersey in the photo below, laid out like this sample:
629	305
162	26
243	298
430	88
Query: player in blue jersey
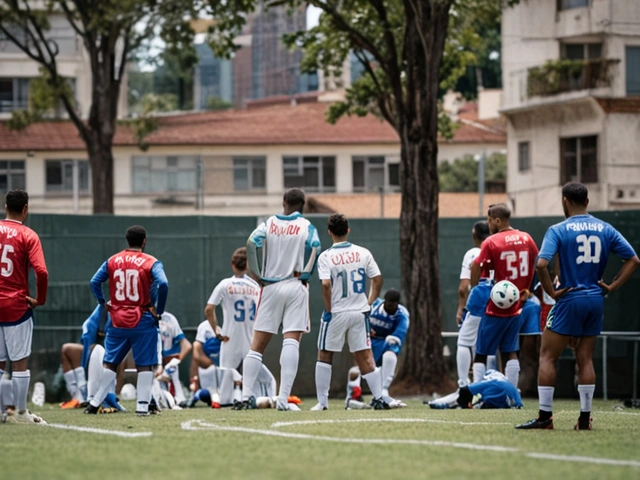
582	243
389	323
493	391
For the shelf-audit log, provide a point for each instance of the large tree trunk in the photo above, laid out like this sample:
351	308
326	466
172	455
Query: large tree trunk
424	366
101	161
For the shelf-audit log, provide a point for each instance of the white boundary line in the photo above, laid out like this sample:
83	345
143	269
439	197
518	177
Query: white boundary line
376	420
100	431
195	425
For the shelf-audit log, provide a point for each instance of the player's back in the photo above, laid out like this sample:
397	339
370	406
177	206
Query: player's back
210	343
583	245
240	296
16	244
348	266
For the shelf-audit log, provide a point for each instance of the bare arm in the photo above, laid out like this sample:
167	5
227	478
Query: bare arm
463	293
628	267
545	280
210	312
475	274
199	357
376	287
185	348
326	294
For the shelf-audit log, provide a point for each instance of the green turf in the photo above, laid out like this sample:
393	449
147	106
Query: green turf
173	453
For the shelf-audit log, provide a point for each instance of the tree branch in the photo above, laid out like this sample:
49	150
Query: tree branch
69	15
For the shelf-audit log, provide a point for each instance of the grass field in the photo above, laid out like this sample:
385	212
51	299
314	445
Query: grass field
415	442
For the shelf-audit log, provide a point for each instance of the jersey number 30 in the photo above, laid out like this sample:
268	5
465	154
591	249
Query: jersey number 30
590	248
127	285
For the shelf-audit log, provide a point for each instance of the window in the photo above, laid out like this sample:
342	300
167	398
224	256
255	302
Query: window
249	173
60	175
579	159
581	51
523	157
568	4
633	70
11	175
14	94
316	174
371	173
164	174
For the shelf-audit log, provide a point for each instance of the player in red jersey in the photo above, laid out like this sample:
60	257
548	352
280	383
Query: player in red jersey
138	290
511	254
20	249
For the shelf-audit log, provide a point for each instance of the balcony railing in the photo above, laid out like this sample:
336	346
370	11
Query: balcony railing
558	76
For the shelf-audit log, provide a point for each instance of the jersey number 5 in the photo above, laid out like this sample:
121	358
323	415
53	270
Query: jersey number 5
127	285
5	261
516	269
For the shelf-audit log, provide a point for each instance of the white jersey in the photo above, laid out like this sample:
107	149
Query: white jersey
467	261
170	334
239	298
347	266
289	244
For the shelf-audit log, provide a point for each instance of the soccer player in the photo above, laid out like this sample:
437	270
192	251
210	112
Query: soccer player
239	296
138	290
343	270
493	391
20	249
389	323
290	246
511	254
583	244
175	347
469	328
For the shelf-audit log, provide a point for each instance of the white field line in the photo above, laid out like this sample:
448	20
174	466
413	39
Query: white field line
201	425
377	420
100	431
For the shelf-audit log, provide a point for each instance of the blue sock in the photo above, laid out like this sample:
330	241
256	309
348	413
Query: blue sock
111	401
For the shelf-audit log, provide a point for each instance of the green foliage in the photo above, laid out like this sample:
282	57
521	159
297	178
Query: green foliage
216	103
557	76
462	174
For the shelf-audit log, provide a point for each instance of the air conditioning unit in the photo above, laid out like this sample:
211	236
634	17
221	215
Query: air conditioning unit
624	194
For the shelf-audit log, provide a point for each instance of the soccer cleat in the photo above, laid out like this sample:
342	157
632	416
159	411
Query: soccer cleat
353	404
215	405
536	423
91	410
439	405
379	404
397	404
108	410
294	399
73	403
142	414
249	404
584	425
318	407
24	418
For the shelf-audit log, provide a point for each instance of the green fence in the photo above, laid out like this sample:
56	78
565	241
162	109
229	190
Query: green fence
196	254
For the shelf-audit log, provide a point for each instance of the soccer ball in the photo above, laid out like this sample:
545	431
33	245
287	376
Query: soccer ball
504	294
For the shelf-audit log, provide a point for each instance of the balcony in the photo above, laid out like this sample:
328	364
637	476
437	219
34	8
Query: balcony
560	76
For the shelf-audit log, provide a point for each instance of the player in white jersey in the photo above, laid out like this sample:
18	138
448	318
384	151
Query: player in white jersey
290	246
469	327
343	270
175	347
238	295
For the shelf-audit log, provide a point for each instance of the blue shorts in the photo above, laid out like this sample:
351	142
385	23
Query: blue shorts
478	298
143	340
498	333
577	316
379	346
530	318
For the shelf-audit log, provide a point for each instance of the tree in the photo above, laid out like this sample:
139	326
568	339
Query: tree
462	174
110	31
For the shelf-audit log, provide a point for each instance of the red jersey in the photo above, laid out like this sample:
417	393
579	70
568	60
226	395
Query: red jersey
511	254
20	249
129	286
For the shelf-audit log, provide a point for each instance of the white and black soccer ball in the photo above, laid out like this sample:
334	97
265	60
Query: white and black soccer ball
504	294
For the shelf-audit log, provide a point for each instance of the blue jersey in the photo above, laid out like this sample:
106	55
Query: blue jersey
384	324
496	391
479	297
583	244
93	326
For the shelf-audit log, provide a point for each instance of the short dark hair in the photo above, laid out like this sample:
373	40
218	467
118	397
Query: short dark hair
576	193
135	236
294	197
481	229
239	258
338	224
392	295
16	200
499	210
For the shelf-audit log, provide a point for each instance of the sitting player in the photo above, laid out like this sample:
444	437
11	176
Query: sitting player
389	322
493	391
175	347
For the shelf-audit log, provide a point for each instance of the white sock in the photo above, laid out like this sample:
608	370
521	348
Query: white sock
357	380
108	376
6	388
323	382
479	369
374	380
586	397
70	381
492	362
289	358
389	362
463	360
143	390
1	392
81	380
250	370
545	396
95	371
175	379
21	388
512	372
267	381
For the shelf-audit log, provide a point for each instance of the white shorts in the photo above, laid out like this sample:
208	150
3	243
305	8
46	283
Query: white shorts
231	356
219	381
353	325
15	341
469	331
284	303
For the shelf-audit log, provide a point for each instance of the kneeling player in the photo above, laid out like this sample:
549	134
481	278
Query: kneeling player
175	347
